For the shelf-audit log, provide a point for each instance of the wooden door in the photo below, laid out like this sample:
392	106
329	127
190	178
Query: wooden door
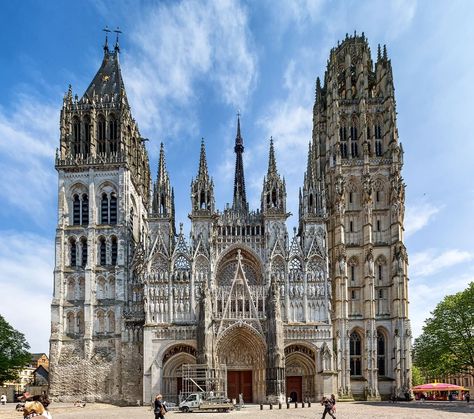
240	382
294	388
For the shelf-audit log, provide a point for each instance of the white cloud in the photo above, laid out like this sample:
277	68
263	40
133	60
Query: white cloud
28	137
418	215
26	266
176	47
429	262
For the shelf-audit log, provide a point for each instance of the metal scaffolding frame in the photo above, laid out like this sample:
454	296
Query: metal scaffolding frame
200	378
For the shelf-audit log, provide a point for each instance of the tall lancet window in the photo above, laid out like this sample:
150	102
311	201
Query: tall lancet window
101	134
76	210
85	210
380	353
76	136
72	253
104	209
355	354
114	251
86	144
83	252
102	251
113	134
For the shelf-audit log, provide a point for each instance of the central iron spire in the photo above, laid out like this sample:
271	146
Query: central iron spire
240	199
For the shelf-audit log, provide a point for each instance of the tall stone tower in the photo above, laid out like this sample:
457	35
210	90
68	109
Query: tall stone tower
97	313
356	151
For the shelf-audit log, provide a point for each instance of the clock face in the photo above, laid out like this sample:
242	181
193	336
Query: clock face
105	77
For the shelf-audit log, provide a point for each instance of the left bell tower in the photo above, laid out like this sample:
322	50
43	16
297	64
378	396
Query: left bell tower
97	312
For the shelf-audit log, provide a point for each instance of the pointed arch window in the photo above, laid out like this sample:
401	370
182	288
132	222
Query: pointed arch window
101	134
378	148
72	252
102	251
378	140
113	134
355	354
83	252
76	136
381	350
104	209
354	149
76	210
114	251
85	210
86	145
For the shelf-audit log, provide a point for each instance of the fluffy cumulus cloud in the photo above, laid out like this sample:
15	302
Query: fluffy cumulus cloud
430	262
26	267
418	215
28	138
176	47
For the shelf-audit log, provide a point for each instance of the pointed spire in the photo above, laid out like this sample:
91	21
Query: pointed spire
272	169
309	169
240	198
106	44
162	174
117	46
385	52
203	173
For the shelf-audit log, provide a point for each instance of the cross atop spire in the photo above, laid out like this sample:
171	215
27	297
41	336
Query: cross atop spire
117	47
240	198
106	44
272	169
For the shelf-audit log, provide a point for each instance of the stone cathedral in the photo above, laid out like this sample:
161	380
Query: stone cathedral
322	309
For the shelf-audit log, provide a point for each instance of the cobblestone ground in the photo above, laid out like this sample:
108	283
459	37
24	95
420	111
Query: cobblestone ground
413	410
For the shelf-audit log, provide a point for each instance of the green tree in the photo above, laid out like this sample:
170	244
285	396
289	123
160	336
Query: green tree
417	376
446	345
14	355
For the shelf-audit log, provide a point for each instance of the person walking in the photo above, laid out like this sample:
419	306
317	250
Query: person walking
467	397
160	407
327	407
3	399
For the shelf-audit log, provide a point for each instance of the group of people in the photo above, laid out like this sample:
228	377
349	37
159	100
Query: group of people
329	404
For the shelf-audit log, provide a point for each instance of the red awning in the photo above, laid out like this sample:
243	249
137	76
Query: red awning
437	387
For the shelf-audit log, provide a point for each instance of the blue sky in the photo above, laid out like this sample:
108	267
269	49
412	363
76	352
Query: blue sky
188	67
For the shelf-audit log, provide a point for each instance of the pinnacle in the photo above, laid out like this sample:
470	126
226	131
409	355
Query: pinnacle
162	172
272	169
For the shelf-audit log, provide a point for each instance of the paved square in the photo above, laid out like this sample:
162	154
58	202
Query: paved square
356	410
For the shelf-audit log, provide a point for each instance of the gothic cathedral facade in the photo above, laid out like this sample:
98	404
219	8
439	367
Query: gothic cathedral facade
320	310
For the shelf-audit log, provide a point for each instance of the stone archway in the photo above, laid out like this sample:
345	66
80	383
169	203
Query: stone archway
300	370
173	359
243	351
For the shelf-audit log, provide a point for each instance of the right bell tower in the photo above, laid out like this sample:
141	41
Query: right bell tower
359	157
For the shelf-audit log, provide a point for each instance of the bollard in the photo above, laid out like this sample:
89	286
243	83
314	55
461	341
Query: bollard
296	405
261	406
302	405
279	405
287	405
309	403
271	406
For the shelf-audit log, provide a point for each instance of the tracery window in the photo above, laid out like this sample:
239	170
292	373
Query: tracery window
181	263
355	354
108	208
381	353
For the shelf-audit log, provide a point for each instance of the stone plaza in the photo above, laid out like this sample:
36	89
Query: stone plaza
356	410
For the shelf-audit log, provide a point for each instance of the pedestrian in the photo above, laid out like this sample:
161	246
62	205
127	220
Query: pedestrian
327	407
333	401
3	399
43	399
33	409
467	396
160	407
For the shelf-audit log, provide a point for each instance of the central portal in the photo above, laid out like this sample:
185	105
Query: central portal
240	382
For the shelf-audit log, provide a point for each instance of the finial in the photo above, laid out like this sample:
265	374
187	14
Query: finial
106	45
271	159
180	228
379	53
385	52
117	47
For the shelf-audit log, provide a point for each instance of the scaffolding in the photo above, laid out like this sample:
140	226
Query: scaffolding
200	378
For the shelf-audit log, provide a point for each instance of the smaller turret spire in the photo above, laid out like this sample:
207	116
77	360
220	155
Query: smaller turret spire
117	46
106	44
240	198
272	169
162	174
203	173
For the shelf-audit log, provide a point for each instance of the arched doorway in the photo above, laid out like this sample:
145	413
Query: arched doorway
300	369
173	359
243	351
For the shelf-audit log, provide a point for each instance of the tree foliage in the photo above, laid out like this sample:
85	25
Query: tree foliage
446	345
14	355
417	377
